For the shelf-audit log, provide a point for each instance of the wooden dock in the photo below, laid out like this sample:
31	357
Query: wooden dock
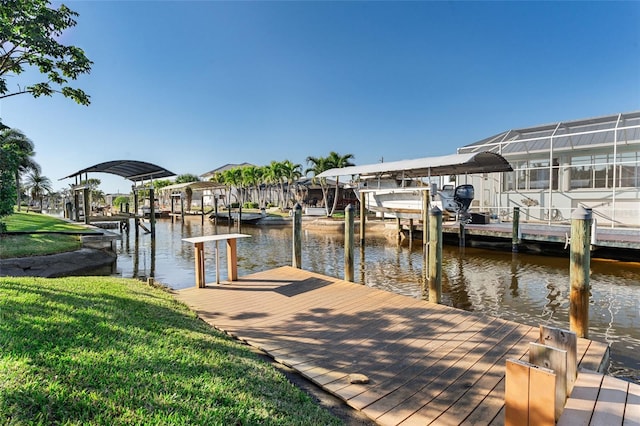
425	363
615	238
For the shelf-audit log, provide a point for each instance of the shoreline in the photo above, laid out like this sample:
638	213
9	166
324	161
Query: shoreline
57	265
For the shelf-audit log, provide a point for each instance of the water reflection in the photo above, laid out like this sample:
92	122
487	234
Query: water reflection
524	288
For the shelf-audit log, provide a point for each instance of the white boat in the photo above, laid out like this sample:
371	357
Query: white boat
399	188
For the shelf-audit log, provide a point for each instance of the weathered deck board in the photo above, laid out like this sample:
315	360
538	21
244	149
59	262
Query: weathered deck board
426	363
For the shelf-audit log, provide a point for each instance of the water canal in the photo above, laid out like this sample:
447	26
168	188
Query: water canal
524	288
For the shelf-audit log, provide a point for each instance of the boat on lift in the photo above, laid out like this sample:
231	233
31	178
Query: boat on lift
400	188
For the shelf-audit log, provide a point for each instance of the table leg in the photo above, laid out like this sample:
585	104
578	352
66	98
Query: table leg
199	256
232	259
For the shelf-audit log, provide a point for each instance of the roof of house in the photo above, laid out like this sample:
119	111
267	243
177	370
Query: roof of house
567	135
223	168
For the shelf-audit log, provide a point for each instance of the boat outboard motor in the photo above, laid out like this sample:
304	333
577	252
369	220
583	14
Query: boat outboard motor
463	196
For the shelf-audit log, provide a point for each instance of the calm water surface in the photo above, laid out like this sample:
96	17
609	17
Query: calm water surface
523	288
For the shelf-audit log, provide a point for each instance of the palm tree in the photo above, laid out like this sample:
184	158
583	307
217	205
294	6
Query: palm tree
38	185
187	178
24	148
251	177
290	173
232	178
319	165
335	160
275	175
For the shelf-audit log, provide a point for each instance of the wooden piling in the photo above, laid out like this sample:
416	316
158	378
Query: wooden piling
425	232
399	228
152	212
348	243
297	237
363	219
202	208
515	230
136	220
173	217
76	206
215	210
86	205
410	233
435	255
579	268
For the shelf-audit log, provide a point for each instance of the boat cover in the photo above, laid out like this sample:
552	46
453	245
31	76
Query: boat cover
455	164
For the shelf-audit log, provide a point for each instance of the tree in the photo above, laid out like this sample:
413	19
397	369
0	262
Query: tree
319	165
93	184
186	178
290	174
37	185
8	165
335	160
251	177
22	150
29	39
232	178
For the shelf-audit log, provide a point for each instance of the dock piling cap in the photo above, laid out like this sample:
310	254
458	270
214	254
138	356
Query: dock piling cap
435	211
581	213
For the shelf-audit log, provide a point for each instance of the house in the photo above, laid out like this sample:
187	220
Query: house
592	162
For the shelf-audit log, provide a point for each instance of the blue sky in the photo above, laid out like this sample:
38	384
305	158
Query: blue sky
192	86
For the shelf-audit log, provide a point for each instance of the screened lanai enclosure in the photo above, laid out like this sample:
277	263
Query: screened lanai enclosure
557	167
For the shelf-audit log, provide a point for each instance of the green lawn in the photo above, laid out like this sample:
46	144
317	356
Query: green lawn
38	243
34	222
104	350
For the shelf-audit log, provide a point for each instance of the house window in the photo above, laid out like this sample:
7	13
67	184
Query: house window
581	172
539	175
629	170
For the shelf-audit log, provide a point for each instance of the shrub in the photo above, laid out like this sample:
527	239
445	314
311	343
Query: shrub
250	205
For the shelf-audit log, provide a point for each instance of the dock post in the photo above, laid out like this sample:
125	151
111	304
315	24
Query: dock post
515	230
425	232
579	267
297	237
410	233
86	205
202	208
136	220
181	208
76	206
173	202
399	229
152	212
363	219
435	255
215	210
348	243
461	239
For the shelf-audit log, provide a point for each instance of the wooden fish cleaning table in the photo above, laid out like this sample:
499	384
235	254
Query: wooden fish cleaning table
232	256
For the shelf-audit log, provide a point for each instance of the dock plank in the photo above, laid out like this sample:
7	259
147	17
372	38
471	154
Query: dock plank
426	363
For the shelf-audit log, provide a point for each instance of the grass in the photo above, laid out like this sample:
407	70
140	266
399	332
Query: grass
37	222
38	243
104	350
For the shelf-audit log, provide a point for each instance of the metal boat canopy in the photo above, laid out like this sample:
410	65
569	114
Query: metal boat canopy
128	169
455	164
